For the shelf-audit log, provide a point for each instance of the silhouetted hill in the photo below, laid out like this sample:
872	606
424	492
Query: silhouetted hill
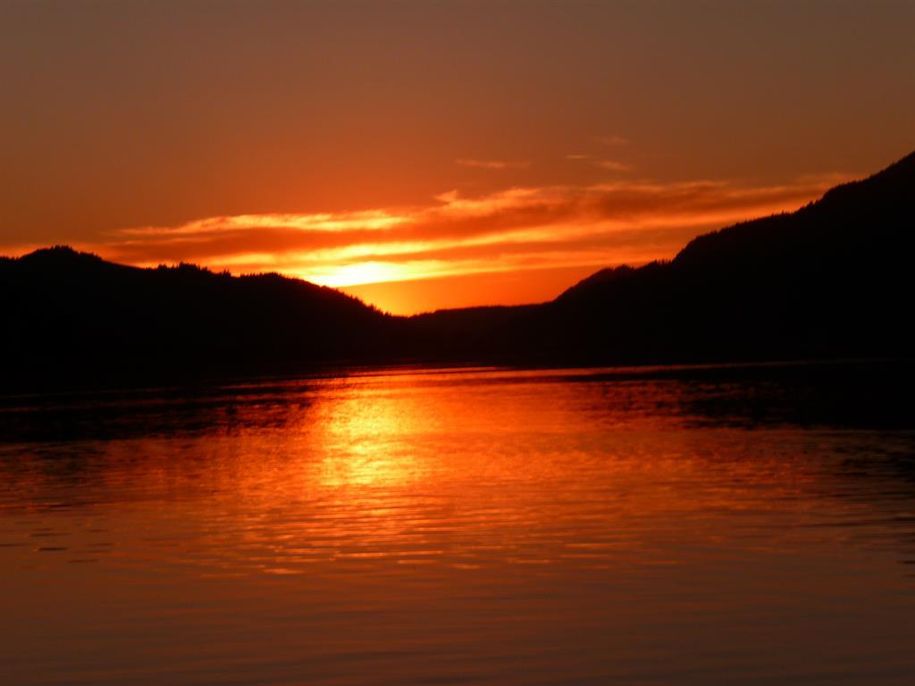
73	316
833	279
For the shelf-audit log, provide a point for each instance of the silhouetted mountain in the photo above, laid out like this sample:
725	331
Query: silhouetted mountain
73	316
833	279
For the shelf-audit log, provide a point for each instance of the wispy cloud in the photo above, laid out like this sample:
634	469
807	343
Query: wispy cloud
612	165
517	228
492	164
340	221
600	163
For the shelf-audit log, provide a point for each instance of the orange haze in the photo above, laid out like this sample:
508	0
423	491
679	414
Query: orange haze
435	154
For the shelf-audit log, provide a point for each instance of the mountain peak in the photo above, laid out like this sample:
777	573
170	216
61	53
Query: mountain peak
905	165
893	180
59	255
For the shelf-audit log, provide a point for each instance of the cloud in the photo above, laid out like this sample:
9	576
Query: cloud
612	165
607	165
491	164
624	220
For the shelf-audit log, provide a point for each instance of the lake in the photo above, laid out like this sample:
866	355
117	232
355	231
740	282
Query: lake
464	526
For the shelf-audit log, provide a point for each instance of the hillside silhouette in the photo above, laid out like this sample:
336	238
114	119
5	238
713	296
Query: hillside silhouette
831	280
74	317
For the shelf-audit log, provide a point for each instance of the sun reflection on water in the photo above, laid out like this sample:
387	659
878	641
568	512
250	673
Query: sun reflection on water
362	441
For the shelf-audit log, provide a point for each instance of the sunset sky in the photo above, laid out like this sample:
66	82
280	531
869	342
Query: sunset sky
435	154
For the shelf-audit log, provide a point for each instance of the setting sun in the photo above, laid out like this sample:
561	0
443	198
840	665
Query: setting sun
360	273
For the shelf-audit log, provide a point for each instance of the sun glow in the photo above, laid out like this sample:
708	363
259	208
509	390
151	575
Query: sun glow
359	273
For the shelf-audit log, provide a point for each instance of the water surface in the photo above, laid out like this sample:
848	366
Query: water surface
460	526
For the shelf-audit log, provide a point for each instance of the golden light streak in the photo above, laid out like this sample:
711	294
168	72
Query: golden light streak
343	221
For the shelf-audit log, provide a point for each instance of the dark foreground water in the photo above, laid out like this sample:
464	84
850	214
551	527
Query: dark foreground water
478	527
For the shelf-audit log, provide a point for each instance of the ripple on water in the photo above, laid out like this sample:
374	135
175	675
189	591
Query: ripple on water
438	527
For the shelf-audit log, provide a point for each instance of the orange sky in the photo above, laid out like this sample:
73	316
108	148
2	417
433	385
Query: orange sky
425	155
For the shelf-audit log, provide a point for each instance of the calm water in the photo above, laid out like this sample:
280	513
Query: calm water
442	527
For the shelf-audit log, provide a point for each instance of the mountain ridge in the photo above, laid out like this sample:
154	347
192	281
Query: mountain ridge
830	279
